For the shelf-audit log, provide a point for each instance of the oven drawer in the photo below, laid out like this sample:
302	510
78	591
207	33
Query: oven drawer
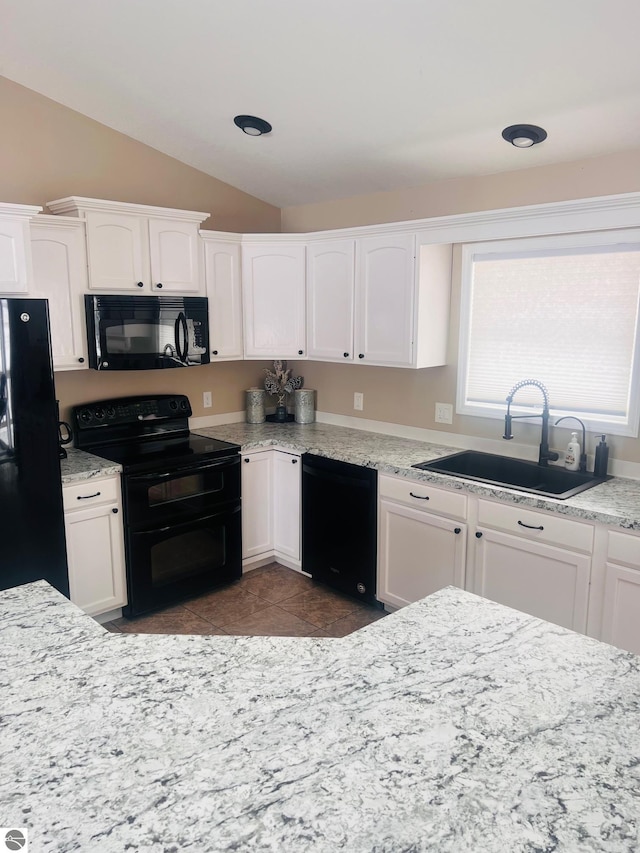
170	563
182	493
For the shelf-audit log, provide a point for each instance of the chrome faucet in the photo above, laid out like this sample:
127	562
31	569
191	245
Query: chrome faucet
545	456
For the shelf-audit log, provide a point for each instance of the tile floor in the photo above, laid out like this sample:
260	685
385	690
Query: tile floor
272	601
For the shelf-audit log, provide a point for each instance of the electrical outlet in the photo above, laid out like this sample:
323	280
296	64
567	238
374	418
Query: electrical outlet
206	399
358	401
444	413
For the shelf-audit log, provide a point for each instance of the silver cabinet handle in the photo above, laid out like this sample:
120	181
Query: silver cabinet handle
86	497
420	497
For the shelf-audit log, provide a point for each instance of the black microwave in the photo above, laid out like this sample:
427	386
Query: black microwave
146	332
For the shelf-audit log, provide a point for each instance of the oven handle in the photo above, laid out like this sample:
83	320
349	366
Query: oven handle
194	522
227	462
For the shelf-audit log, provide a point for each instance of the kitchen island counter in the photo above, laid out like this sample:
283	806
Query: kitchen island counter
455	724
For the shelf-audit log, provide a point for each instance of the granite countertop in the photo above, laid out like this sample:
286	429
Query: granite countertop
80	465
616	502
453	725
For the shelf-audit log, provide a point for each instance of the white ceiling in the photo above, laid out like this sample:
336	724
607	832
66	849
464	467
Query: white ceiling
363	95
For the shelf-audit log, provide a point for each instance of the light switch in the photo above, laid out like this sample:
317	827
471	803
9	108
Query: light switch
444	413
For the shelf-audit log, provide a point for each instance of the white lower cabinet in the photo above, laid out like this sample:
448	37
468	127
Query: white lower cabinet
531	561
257	509
95	544
287	504
271	507
621	607
419	550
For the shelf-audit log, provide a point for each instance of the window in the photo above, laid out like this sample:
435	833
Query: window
563	310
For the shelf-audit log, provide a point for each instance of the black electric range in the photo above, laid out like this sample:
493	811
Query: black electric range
181	496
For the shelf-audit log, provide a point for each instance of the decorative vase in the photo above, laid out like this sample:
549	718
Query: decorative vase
255	398
304	403
281	414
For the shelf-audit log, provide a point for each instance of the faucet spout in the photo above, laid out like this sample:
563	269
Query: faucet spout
545	455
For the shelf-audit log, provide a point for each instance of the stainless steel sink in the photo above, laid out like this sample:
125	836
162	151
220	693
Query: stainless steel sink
549	481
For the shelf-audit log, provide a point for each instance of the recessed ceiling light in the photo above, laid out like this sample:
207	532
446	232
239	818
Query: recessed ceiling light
252	125
524	135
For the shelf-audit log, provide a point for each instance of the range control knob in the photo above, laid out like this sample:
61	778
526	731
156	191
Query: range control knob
98	413
173	404
85	416
111	412
183	405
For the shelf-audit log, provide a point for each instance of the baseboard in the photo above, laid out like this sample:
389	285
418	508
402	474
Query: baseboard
109	616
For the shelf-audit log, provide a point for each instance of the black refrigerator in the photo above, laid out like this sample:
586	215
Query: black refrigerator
32	543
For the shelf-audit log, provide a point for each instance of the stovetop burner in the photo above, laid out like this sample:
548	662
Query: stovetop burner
145	433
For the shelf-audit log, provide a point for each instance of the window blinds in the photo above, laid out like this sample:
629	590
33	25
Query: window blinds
566	317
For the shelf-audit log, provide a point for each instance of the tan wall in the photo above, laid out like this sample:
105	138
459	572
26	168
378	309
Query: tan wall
48	151
227	382
408	397
609	175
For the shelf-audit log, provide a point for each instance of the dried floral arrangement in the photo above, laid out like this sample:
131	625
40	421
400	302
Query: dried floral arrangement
279	382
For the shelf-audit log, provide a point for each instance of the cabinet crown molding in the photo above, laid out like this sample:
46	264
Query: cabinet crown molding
19	211
78	206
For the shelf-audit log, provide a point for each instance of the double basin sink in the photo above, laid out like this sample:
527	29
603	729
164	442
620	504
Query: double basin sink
549	481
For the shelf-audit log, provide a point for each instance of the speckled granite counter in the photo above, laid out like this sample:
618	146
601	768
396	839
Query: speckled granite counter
616	502
85	466
454	725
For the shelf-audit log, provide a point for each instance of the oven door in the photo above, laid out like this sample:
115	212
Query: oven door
153	500
168	564
146	332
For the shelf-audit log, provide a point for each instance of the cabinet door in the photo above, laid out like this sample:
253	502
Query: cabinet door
60	275
330	300
257	505
14	268
273	294
385	289
224	289
420	553
95	556
118	252
286	504
542	580
174	251
621	613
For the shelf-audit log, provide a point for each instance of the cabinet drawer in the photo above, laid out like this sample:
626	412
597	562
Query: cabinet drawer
423	495
624	548
536	525
90	493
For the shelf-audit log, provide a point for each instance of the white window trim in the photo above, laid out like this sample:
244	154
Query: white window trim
564	241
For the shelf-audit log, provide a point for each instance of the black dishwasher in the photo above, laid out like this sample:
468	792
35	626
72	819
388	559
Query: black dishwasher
339	525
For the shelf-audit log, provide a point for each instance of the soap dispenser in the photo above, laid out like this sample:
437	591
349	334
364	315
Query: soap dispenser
572	454
602	458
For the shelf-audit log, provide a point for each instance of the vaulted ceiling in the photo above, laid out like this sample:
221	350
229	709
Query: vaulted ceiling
363	95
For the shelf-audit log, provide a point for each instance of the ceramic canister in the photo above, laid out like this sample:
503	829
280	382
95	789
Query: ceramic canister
304	406
255	398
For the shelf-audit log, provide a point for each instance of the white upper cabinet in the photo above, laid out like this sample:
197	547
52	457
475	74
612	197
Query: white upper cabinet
370	303
385	287
273	291
60	275
115	244
224	291
15	257
139	249
174	250
330	300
